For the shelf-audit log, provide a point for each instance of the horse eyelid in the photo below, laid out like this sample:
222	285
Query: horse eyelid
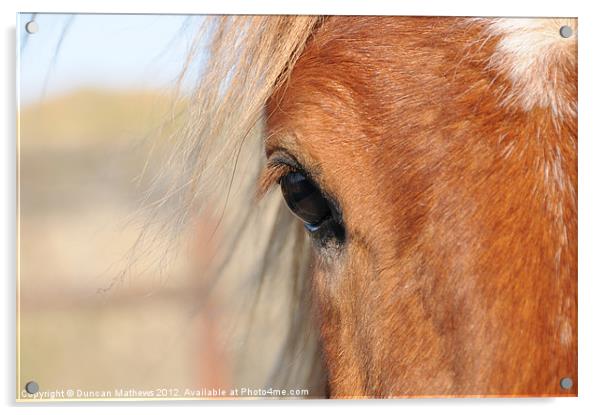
271	175
280	163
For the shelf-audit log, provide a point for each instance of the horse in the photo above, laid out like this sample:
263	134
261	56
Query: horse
427	217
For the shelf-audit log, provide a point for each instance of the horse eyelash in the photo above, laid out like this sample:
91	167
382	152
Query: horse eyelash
271	175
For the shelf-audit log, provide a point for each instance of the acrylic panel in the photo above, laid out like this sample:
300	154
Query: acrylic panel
293	207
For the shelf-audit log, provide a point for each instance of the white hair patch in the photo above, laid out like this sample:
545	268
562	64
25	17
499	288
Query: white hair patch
535	57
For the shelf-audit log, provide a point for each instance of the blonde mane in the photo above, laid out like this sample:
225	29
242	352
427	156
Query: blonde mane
217	158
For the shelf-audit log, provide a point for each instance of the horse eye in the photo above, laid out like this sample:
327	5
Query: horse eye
305	200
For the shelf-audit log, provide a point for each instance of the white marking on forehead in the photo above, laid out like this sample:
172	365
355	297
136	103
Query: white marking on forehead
533	55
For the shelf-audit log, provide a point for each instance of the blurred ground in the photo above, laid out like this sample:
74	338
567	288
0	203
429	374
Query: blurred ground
80	160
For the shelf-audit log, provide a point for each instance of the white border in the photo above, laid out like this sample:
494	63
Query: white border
408	7
590	206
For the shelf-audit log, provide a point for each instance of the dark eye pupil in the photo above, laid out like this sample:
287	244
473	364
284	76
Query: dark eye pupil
305	199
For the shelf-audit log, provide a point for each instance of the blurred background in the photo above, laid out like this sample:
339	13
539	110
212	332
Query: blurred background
95	97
